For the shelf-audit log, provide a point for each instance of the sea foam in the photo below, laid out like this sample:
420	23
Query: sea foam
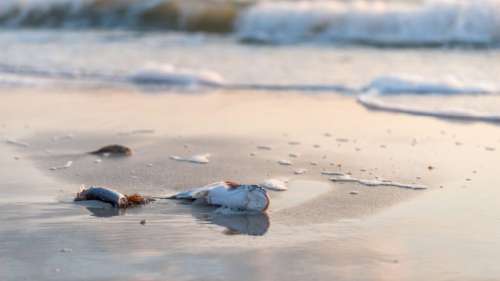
387	23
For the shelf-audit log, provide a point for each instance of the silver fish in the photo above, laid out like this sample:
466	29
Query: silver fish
230	195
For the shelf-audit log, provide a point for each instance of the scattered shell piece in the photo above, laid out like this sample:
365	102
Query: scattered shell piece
342	140
98	160
314	163
331	173
294	143
61	138
327	135
293	155
67	165
354	192
316	146
489	148
264	147
66	250
18	143
17	157
252	154
198	159
274	184
300	171
383	146
376	182
285	162
136	132
149	165
143	222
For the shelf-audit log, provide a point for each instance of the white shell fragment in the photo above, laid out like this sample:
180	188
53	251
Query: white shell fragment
376	182
285	162
18	143
274	184
198	159
300	171
331	173
229	195
136	132
293	155
67	165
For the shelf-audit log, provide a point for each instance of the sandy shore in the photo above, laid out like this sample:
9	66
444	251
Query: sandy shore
316	229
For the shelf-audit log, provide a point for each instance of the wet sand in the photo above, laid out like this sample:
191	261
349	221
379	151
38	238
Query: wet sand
317	229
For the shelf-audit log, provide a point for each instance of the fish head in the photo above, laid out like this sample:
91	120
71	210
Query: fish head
258	200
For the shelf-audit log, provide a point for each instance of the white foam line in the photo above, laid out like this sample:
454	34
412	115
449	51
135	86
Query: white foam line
370	101
348	178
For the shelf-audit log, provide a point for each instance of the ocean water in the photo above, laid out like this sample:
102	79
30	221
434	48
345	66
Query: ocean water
437	58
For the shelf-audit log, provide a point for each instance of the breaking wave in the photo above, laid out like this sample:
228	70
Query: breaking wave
433	22
380	23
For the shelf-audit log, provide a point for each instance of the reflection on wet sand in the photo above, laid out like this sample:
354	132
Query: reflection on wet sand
254	224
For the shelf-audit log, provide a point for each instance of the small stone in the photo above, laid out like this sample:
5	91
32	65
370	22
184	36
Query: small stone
430	168
264	147
143	222
354	192
66	250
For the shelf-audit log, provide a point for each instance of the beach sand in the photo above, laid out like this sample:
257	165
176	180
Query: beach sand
317	229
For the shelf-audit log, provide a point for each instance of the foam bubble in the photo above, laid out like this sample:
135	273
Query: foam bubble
168	75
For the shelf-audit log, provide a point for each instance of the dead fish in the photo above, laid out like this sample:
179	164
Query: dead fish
113	150
228	194
113	197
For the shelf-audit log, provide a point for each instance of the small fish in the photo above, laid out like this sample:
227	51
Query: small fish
113	197
113	150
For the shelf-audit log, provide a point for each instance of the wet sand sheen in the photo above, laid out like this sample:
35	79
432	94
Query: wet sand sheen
322	221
